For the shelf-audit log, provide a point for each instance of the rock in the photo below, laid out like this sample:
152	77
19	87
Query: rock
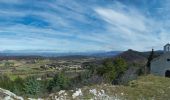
61	92
8	98
77	93
7	95
93	91
35	99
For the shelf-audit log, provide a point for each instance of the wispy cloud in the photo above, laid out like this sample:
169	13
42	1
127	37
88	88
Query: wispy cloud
133	28
77	25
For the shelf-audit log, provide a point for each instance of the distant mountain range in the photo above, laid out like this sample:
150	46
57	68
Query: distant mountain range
54	54
46	53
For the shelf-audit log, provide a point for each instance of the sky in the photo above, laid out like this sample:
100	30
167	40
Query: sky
84	25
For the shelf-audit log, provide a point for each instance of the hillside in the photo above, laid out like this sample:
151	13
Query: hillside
89	88
133	56
136	56
144	88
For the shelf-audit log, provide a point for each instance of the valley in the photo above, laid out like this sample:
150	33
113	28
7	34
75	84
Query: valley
45	77
42	66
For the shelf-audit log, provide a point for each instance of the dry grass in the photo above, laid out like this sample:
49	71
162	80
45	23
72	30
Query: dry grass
144	88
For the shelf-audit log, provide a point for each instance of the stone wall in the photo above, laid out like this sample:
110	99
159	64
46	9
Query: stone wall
160	65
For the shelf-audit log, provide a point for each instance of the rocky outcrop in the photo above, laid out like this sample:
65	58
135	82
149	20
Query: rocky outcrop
86	93
7	95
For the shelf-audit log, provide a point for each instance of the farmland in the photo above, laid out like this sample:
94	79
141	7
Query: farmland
42	67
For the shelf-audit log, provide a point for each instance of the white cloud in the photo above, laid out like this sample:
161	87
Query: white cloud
120	27
120	19
131	28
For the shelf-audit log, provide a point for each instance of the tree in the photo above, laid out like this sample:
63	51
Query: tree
32	85
112	68
148	65
120	65
109	70
59	81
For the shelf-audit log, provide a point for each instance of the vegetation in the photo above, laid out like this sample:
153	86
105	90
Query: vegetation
6	83
144	88
38	77
8	64
18	85
112	68
59	82
31	86
150	58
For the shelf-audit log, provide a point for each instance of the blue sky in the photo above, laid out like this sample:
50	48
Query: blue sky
84	25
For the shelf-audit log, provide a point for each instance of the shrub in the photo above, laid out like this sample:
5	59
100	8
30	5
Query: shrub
108	70
8	64
112	68
120	65
32	86
59	81
84	76
18	85
6	83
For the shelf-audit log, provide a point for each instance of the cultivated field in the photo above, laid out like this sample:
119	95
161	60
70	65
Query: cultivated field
44	67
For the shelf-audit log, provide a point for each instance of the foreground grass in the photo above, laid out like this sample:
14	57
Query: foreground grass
148	87
144	88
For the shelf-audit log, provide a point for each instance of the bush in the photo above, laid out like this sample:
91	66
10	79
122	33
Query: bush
59	82
32	86
120	65
112	69
108	70
18	85
83	77
6	83
8	64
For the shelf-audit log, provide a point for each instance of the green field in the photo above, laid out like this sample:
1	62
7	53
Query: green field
24	68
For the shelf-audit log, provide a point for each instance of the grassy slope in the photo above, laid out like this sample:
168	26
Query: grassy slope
144	88
149	87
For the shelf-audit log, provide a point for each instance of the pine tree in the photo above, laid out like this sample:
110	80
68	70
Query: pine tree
150	58
32	86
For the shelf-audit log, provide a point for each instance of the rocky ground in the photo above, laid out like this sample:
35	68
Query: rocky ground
7	95
144	88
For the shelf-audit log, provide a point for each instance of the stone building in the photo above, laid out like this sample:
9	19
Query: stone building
161	65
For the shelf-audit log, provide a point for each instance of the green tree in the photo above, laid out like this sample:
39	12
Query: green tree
120	65
112	68
59	81
150	58
107	66
32	85
108	70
